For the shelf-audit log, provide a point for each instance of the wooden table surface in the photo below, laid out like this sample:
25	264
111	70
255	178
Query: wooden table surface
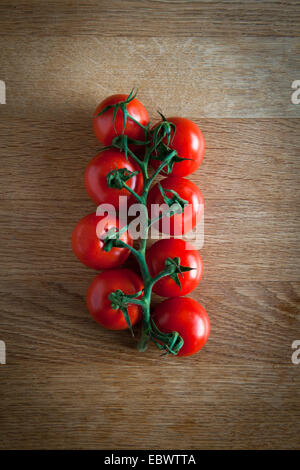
229	66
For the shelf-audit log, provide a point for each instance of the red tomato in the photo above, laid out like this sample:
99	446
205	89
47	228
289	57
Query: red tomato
188	318
188	142
99	304
189	257
192	213
88	245
103	125
95	178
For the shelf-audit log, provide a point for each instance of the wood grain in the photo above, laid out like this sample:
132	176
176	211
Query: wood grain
135	18
212	78
249	214
160	411
229	66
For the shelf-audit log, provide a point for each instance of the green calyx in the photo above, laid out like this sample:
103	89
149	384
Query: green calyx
171	343
165	131
162	130
176	203
119	300
178	269
166	155
113	238
117	178
122	105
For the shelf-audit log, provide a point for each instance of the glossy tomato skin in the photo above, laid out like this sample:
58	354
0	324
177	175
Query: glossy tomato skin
193	212
103	125
99	304
89	247
189	257
188	318
189	143
95	177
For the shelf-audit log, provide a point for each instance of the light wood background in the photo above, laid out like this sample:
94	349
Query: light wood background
229	66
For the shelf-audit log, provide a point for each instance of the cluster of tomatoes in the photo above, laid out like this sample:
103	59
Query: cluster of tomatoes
124	115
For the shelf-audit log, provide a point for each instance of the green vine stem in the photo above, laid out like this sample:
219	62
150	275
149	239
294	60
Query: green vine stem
169	343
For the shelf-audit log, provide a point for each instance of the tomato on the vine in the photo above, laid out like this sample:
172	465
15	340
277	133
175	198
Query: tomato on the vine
188	318
156	256
188	142
99	304
118	298
104	128
97	170
177	224
88	245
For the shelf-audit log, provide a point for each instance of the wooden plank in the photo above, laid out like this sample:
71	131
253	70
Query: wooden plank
64	78
246	159
223	407
252	210
48	322
143	18
242	240
64	374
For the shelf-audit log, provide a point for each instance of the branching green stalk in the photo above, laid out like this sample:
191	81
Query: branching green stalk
159	169
164	273
139	198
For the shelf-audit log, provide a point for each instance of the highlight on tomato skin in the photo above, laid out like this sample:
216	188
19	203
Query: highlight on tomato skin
156	256
99	304
97	170
88	246
188	142
188	318
104	128
177	224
